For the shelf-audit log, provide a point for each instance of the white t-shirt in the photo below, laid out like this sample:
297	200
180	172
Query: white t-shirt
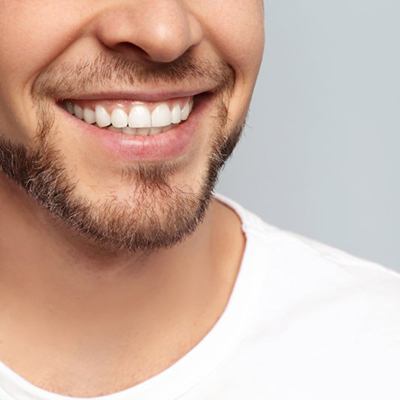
304	322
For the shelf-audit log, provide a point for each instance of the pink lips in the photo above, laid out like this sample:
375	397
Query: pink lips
160	147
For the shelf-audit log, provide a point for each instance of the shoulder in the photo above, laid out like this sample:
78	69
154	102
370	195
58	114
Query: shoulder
302	275
319	315
303	255
329	272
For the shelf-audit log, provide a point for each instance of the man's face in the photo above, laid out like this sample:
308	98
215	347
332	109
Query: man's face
138	188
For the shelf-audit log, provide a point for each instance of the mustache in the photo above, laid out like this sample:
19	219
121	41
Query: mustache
105	71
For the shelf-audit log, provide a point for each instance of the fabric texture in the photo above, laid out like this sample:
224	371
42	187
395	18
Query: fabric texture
304	321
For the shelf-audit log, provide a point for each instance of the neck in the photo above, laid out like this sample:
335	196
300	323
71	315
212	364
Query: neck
65	291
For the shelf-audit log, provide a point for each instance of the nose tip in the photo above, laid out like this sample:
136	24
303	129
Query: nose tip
160	31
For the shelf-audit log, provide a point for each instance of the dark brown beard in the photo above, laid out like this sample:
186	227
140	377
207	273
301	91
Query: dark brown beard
166	214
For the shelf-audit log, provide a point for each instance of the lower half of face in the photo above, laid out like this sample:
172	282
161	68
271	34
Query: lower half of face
125	188
131	172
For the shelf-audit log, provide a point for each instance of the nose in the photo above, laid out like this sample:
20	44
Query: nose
158	30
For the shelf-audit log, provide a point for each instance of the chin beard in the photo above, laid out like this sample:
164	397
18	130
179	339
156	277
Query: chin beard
158	215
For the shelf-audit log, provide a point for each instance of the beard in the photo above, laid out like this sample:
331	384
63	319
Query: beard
158	214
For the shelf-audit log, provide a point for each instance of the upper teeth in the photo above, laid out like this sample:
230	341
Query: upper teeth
139	115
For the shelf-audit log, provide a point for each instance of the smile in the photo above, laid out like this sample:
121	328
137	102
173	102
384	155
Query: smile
132	117
137	130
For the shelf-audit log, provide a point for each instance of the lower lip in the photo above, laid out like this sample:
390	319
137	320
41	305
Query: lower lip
168	145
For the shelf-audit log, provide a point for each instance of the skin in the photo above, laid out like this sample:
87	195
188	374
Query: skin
85	312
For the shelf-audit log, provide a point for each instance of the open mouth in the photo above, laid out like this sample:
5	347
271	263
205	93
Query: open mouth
137	129
133	117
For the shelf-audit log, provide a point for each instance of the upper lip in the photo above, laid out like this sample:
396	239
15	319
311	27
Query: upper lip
146	96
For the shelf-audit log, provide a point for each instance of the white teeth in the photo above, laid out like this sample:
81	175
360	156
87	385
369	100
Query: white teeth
140	121
176	114
139	117
89	116
185	112
78	111
161	116
119	119
102	117
142	131
130	131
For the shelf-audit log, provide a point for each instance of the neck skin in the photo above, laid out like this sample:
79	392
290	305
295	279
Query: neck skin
96	323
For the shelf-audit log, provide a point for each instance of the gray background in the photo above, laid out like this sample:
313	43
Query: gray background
320	154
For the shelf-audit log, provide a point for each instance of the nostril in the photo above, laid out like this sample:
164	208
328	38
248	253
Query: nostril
128	47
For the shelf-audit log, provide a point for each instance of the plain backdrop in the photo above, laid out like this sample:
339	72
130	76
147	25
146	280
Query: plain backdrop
320	153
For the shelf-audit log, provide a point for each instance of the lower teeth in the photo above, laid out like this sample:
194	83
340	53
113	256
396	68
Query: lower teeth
138	131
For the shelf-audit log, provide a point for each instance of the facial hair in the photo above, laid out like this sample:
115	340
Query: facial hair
160	214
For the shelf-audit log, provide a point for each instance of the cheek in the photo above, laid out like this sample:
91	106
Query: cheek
244	41
235	28
32	34
29	31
